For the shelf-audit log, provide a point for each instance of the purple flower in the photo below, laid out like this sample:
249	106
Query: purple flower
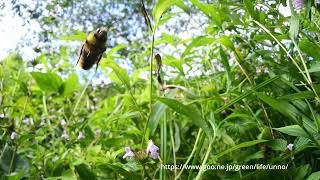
42	123
290	147
65	135
26	121
55	158
152	149
81	136
298	4
63	122
14	136
129	153
97	132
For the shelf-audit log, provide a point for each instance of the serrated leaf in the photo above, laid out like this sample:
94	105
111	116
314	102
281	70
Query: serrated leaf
293	130
278	144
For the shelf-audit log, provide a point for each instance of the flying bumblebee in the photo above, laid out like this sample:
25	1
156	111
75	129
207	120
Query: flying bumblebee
93	48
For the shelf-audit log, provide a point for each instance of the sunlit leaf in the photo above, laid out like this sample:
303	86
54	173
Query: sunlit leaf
199	41
293	130
78	35
48	82
121	73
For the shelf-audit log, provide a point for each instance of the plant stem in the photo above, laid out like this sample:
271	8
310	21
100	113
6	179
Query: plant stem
204	161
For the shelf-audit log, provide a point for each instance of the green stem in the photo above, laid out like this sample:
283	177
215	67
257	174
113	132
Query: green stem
79	99
150	93
204	161
191	154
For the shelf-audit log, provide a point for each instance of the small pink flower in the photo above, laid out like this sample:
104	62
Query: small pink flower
290	147
14	136
129	153
26	121
153	150
65	135
42	123
81	136
97	132
298	4
63	122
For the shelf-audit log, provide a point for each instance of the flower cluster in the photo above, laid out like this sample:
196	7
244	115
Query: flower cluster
151	150
298	4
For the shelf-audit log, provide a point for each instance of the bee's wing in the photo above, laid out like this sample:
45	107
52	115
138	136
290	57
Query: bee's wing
80	54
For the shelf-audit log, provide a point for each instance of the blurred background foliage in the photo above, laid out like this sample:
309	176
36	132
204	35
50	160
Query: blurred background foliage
240	84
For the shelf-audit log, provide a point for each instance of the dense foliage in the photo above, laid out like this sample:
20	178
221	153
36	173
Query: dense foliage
243	91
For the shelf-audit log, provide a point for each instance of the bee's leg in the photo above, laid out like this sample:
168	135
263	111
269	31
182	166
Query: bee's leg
98	62
80	54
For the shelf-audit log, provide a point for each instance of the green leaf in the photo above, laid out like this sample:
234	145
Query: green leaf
239	146
177	139
119	71
314	176
182	6
117	169
310	49
209	11
278	144
263	37
174	62
293	130
249	5
48	82
245	94
302	143
294	26
191	112
299	95
226	41
70	85
290	111
199	41
11	162
84	172
78	35
158	111
115	49
161	7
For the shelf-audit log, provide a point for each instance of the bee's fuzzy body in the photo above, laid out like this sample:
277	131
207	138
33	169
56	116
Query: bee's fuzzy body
92	49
